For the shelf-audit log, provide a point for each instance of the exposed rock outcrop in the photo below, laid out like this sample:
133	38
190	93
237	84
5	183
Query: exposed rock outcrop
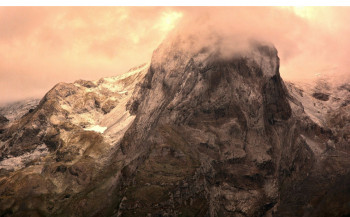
14	111
195	133
3	122
58	149
3	119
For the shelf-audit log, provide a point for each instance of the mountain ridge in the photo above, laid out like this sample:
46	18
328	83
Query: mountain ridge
194	133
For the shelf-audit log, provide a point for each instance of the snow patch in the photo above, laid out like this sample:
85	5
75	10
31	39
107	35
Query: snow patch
14	111
65	107
96	128
132	71
88	90
111	86
20	161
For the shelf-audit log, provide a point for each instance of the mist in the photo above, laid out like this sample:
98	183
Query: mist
311	41
41	46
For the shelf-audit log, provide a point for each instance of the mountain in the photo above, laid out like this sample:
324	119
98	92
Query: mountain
196	132
14	111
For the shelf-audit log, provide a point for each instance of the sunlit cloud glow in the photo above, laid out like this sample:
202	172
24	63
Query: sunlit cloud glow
41	46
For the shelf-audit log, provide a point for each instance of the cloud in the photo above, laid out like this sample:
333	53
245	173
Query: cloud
41	46
310	40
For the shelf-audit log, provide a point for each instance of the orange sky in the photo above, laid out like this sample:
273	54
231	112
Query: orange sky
41	46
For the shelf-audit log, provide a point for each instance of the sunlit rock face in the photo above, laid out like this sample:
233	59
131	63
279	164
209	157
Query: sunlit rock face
324	126
210	132
200	131
63	144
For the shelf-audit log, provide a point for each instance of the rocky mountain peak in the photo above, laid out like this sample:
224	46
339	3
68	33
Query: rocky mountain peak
209	114
208	128
185	80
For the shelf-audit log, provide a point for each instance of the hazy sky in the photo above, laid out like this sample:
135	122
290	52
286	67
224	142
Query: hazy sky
41	46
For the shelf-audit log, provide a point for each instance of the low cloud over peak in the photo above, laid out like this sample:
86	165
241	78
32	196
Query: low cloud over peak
41	46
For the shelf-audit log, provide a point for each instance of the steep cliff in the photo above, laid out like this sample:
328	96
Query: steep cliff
197	132
208	133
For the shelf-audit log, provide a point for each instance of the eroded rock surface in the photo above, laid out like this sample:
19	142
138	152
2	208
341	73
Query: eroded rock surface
14	111
54	152
194	133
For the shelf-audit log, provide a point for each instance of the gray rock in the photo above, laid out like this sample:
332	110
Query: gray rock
204	134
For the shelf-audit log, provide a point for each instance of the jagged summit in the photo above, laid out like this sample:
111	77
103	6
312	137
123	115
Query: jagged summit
208	128
69	109
208	116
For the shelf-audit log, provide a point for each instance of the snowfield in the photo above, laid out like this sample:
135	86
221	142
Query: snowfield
96	128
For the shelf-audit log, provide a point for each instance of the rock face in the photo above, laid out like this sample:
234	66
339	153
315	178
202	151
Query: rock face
207	133
3	119
195	133
53	153
16	110
3	123
324	126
